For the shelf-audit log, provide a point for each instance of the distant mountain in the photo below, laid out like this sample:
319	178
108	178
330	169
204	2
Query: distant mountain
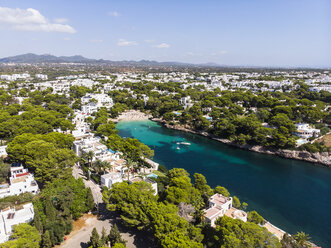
44	58
32	58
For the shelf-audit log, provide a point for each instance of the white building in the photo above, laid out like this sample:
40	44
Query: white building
186	102
20	181
110	178
41	76
15	76
13	216
219	206
305	131
90	108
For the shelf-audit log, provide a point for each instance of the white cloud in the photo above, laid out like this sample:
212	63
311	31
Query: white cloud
114	14
30	20
162	45
96	41
61	20
123	42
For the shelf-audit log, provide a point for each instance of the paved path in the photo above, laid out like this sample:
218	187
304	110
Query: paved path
96	189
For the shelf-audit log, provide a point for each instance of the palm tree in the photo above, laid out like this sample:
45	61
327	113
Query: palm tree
106	165
84	158
97	165
129	164
302	238
90	156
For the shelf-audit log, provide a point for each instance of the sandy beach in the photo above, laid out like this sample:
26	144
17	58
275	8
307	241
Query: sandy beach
132	115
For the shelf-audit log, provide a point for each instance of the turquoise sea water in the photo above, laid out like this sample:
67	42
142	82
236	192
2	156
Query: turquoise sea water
293	195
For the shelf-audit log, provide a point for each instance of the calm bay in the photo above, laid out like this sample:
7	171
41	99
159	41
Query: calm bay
293	195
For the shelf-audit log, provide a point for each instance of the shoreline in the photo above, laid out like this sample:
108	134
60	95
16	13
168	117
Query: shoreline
131	115
323	159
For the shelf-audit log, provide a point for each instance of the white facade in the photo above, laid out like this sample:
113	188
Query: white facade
305	131
102	100
109	179
11	217
41	76
15	76
21	181
218	205
89	108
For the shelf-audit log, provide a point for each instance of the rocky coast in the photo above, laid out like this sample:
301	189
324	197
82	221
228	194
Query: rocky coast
323	158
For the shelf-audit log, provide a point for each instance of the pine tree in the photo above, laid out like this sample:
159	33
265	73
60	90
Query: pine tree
89	199
50	211
46	242
115	236
104	237
37	221
95	239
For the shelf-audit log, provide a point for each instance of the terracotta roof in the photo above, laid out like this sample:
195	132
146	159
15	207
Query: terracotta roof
22	174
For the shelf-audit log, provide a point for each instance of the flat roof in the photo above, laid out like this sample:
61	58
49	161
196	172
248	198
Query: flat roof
211	213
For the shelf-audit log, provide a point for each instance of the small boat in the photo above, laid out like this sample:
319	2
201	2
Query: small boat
185	143
177	148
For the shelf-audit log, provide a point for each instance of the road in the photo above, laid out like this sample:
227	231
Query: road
96	189
106	219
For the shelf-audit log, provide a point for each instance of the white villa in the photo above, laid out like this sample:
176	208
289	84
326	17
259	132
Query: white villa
110	178
186	102
21	181
219	206
102	100
90	108
14	216
305	131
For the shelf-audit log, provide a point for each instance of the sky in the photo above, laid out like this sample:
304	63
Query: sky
234	33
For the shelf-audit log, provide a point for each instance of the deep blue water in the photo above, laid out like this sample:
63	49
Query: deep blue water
293	195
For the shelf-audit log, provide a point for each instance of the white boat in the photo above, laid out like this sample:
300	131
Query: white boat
185	143
177	148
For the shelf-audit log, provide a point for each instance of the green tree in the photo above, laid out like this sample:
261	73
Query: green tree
89	199
236	233
302	239
221	190
236	202
254	217
200	182
289	242
95	241
46	242
115	237
23	235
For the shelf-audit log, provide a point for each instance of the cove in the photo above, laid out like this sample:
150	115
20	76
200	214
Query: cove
293	195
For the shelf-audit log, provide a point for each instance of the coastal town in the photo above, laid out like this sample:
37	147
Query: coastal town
94	102
165	124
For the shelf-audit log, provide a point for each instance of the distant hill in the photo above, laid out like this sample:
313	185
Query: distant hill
48	58
44	58
31	58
